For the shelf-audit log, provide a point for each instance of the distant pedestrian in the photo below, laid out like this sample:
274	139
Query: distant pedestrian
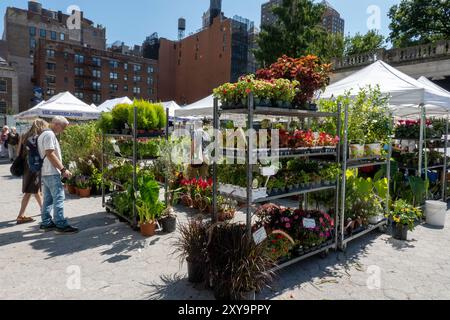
52	172
3	142
13	142
31	181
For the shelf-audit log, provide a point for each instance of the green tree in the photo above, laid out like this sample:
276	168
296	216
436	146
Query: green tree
358	44
419	21
297	32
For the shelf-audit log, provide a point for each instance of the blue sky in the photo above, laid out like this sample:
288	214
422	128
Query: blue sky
132	20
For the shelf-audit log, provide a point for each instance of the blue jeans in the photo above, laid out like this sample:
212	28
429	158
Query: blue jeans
54	197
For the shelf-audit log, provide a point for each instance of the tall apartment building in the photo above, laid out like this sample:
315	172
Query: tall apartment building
93	75
332	20
189	69
9	100
25	27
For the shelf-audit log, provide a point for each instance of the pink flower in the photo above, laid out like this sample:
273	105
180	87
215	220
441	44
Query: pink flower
288	225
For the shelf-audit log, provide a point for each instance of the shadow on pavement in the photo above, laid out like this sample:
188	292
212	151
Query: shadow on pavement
177	287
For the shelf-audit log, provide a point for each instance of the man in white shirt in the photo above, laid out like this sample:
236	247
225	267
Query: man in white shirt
52	171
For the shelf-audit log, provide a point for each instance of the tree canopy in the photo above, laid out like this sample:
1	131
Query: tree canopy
358	44
419	21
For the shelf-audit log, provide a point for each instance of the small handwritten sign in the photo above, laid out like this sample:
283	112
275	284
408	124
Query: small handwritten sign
260	235
309	223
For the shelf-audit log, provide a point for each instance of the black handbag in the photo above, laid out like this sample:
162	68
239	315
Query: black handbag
18	167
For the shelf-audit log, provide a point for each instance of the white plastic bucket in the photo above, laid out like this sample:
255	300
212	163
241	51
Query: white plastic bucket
436	213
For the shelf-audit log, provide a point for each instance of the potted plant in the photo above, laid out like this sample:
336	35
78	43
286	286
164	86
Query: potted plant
148	205
168	220
71	185
403	217
356	151
191	246
226	208
83	186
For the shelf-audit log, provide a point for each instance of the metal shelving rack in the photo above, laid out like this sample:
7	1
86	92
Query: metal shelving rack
135	161
250	112
357	164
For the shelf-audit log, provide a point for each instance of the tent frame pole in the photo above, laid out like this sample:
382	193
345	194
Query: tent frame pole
444	171
421	142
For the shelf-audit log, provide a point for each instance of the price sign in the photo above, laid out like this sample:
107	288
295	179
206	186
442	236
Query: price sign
239	123
260	235
268	171
309	223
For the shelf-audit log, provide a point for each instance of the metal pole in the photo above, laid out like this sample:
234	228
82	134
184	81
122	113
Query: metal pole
103	170
166	176
249	166
216	133
134	133
338	161
344	178
444	178
388	166
422	128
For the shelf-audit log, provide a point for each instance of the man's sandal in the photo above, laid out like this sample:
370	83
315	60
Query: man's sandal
24	220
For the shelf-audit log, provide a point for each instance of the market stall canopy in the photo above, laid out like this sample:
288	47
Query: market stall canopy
63	104
108	105
430	83
406	93
172	106
201	108
93	105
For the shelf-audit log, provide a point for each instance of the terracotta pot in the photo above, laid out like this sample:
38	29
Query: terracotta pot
84	193
148	229
71	189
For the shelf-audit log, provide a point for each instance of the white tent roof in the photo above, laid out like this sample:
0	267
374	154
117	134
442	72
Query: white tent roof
172	106
201	108
93	105
63	104
430	83
406	93
108	105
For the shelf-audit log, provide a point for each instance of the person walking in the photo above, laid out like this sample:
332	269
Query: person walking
52	170
13	141
3	142
31	181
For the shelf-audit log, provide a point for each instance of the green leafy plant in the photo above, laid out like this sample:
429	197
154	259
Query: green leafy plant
405	214
105	122
120	114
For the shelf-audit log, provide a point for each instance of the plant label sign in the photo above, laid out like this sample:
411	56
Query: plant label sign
116	148
309	223
268	171
260	235
239	123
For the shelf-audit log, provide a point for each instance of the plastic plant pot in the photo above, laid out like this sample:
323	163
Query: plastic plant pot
356	151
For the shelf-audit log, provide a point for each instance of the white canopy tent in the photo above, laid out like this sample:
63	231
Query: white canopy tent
431	84
201	108
407	94
63	104
93	105
108	105
172	106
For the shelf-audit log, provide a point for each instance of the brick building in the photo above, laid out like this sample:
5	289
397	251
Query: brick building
9	100
93	75
189	69
25	27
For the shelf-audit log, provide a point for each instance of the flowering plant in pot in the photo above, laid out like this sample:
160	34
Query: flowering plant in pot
83	186
284	92
226	208
191	246
279	245
404	217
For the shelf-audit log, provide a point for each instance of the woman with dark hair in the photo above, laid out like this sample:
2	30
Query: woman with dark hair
31	181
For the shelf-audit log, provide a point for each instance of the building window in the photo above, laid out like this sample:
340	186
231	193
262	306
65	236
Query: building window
79	71
125	77
113	87
150	91
150	69
50	92
114	64
79	83
32	31
137	67
62	37
3	86
50	53
97	98
97	73
50	80
51	66
150	81
137	78
96	85
113	76
3	107
97	61
79	95
125	88
43	33
32	43
53	35
136	90
79	58
66	56
66	80
125	66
